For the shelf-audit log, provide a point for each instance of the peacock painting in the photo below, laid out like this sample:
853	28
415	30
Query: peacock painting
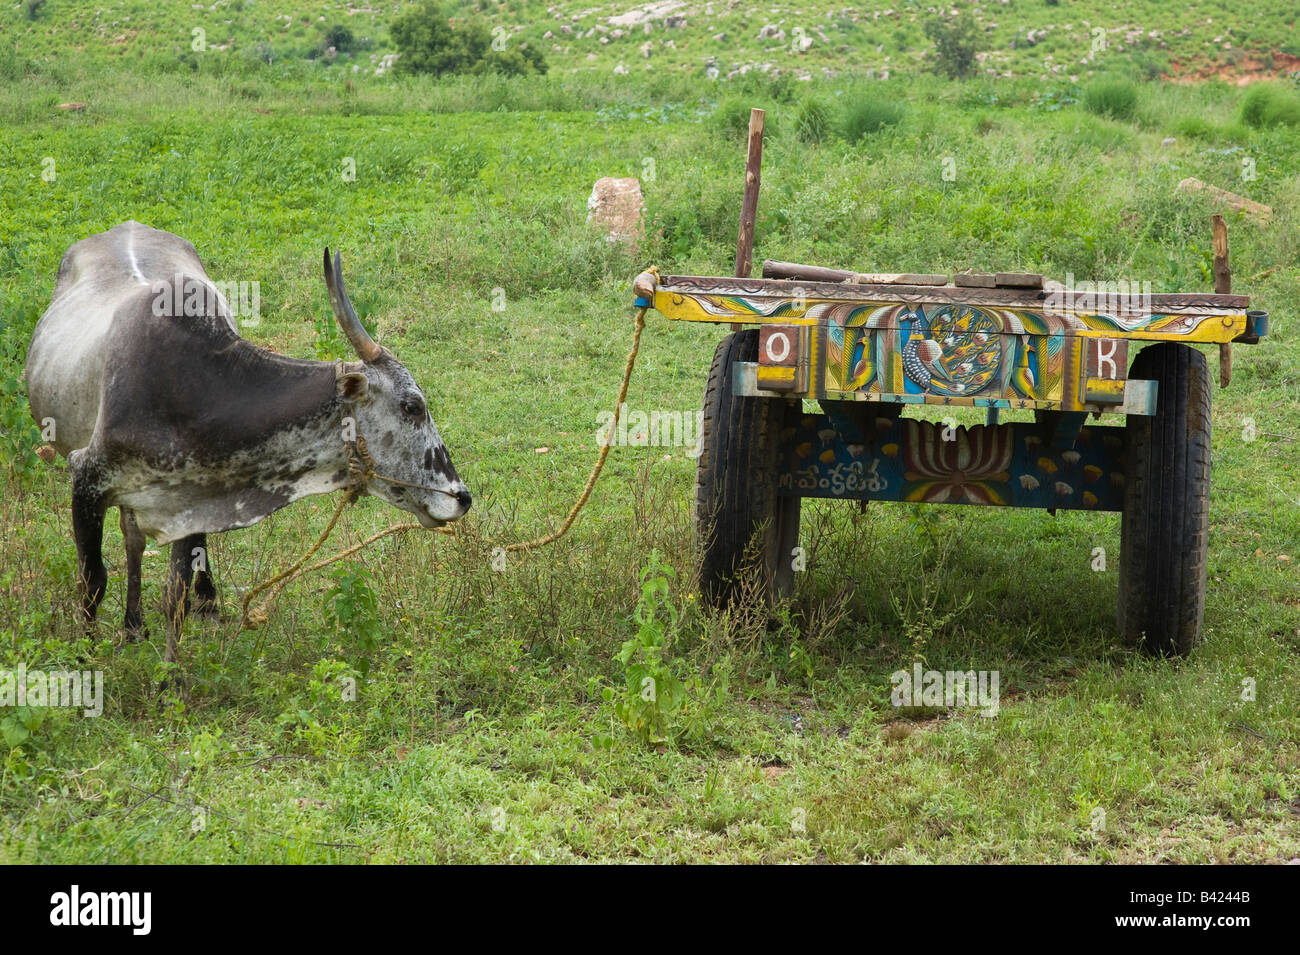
955	350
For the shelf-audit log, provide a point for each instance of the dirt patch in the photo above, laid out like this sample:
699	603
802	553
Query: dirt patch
1242	73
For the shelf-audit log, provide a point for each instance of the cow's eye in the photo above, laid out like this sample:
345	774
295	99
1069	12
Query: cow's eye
413	407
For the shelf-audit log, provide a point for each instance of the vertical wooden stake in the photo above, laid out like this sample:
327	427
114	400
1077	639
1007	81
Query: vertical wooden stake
1222	286
749	204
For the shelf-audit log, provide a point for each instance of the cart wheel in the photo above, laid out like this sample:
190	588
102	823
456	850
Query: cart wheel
736	483
1165	524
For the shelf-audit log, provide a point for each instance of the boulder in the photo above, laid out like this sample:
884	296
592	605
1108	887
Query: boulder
618	207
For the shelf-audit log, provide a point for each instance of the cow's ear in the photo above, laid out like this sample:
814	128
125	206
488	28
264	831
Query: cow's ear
353	386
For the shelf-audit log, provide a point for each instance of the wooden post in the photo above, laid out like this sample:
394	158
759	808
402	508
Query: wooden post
749	204
1222	286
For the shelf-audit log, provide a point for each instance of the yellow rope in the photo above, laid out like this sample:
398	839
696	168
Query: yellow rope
251	620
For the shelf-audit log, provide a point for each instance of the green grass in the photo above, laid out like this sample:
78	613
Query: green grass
866	115
1114	99
881	37
480	731
1268	105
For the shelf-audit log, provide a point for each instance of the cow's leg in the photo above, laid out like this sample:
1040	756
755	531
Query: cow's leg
88	508
133	623
176	595
205	591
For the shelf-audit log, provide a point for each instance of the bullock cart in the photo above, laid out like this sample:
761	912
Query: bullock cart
811	400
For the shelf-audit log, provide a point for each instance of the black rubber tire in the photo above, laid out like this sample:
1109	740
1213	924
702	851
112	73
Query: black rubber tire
736	486
1164	529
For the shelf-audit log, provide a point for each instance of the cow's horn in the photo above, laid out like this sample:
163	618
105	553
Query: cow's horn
343	311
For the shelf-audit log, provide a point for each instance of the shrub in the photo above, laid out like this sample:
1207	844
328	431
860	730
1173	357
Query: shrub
870	115
956	41
1149	65
428	44
1269	104
813	123
1194	127
339	37
731	118
1116	99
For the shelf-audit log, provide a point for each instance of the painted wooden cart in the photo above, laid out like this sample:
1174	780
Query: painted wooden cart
866	348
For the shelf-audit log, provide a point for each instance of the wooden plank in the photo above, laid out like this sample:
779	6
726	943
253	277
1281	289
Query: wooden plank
1169	303
793	270
1222	286
974	280
898	278
749	203
910	460
1018	279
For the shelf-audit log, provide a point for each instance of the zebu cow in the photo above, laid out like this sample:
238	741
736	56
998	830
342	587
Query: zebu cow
188	429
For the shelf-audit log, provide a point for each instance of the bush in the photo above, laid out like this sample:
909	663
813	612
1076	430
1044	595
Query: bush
1116	99
428	44
339	37
813	123
731	118
1149	65
1269	104
1194	127
956	41
870	115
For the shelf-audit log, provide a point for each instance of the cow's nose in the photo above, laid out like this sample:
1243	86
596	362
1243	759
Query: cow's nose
464	499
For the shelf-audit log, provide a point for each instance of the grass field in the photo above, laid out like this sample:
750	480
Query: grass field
808	40
481	728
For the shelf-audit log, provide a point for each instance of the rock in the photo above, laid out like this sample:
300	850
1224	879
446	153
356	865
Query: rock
645	13
617	206
1168	141
1248	207
645	48
674	22
620	70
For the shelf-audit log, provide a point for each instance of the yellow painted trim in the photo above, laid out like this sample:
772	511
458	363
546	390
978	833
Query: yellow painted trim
775	374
